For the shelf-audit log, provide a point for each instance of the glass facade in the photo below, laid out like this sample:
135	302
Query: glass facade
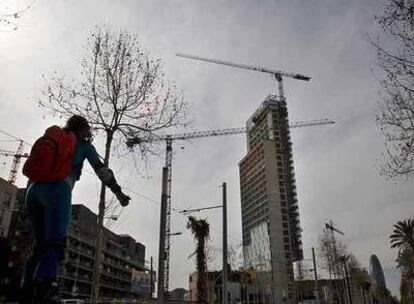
257	253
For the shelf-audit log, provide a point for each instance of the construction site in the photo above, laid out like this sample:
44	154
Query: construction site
241	172
270	213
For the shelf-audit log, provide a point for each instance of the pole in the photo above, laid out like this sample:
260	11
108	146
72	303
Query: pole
347	281
315	273
151	280
161	249
225	268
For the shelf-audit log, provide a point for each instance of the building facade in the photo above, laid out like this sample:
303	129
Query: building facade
241	288
121	256
142	283
8	194
19	242
178	294
270	219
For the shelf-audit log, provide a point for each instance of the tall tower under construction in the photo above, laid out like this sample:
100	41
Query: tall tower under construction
270	217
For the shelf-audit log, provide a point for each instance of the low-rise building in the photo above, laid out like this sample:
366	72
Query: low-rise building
329	291
8	194
240	287
178	294
142	283
121	256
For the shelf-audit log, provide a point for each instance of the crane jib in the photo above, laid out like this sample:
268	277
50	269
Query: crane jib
247	67
218	132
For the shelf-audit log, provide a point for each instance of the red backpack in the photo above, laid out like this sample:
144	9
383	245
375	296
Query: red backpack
51	156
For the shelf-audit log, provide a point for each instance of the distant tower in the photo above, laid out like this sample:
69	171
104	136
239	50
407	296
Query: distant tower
376	272
270	217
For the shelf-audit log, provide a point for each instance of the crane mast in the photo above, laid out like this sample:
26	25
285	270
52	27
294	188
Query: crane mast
165	242
167	246
17	156
16	162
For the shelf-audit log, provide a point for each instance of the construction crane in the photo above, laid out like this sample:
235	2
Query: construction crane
165	244
277	74
17	156
331	227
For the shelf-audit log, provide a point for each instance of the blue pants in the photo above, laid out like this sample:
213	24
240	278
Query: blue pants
49	207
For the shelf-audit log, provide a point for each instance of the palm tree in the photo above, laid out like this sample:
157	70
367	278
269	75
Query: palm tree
200	229
403	239
403	235
405	261
405	290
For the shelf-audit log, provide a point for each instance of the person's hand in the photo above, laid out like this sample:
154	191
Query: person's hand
122	198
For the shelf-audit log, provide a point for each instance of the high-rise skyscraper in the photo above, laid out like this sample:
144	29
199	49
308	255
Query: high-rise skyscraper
270	216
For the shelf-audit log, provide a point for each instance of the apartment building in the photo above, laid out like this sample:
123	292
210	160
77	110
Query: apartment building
121	256
8	193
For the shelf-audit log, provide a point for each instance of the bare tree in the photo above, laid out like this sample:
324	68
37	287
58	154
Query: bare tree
9	15
331	249
122	92
395	59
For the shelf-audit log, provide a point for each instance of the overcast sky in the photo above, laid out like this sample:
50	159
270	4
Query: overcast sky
336	166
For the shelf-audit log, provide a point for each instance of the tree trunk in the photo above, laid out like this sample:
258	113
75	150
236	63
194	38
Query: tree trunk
201	269
99	227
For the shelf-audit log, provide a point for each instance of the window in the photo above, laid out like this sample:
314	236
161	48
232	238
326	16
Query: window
7	200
